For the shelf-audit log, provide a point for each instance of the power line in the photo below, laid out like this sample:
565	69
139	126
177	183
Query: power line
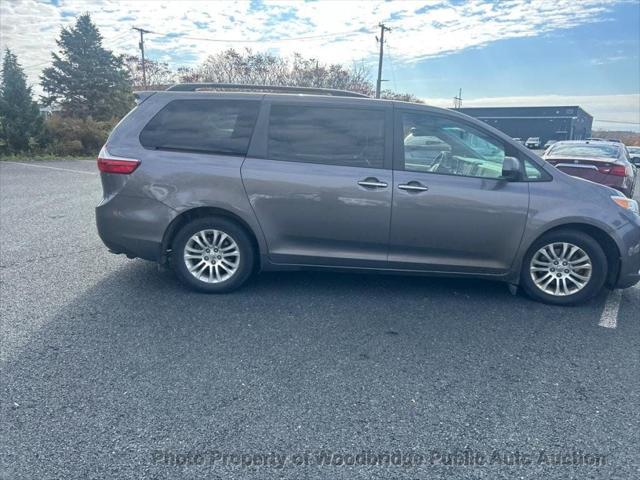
238	40
118	39
393	68
37	65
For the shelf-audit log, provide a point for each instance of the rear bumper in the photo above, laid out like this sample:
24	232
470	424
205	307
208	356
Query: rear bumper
133	226
625	186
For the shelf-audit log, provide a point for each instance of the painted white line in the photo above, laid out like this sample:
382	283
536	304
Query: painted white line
51	168
609	317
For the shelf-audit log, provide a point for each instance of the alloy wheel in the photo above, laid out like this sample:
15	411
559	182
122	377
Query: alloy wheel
212	256
560	269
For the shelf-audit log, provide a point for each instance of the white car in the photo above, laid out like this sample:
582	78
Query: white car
532	142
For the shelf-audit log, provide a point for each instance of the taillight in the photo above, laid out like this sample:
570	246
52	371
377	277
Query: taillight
108	163
618	171
615	170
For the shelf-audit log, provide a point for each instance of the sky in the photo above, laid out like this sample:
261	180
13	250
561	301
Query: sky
503	52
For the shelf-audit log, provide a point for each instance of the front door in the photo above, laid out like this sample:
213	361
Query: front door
322	188
452	211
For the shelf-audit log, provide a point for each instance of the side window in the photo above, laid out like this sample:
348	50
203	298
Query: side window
532	172
327	135
214	126
440	145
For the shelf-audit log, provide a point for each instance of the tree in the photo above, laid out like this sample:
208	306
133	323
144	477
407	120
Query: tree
85	78
263	68
20	119
158	73
403	97
249	67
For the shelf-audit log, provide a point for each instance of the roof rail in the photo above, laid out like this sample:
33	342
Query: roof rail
192	87
142	95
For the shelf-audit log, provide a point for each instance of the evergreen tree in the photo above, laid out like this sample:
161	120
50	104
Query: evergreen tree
85	78
20	118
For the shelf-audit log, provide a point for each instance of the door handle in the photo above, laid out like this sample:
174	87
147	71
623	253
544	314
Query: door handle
413	187
372	182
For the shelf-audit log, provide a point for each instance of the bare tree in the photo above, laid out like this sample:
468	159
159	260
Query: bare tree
158	73
403	97
262	68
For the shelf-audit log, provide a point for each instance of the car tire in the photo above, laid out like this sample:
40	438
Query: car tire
212	255
571	281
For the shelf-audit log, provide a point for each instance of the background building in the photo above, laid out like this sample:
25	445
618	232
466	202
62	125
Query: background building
548	123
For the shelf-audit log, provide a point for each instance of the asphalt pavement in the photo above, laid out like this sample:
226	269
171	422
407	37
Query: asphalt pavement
111	369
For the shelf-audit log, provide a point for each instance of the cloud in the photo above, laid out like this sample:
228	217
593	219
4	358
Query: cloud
608	60
420	31
622	108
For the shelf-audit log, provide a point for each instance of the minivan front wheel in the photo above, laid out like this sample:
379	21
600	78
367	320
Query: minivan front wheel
564	267
212	255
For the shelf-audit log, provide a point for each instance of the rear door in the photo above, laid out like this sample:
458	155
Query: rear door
452	211
318	176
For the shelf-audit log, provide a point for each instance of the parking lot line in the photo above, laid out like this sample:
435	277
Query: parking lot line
609	317
52	168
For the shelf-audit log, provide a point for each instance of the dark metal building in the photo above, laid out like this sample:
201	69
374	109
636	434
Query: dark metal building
548	123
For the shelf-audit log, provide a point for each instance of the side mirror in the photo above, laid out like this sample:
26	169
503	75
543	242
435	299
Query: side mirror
511	169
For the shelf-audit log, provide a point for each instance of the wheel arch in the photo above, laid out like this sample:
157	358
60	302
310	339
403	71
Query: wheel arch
606	242
201	212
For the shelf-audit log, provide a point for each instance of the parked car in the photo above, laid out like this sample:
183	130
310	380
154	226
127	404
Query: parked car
519	140
634	155
220	184
548	143
532	142
606	163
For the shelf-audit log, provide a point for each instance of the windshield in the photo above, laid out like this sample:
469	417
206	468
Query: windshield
585	150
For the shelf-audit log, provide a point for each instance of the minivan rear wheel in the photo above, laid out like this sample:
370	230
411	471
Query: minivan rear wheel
212	255
564	268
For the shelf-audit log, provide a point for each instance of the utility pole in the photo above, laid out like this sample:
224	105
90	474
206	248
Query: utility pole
457	101
141	45
383	28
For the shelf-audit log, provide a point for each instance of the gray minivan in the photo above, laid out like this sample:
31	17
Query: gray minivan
220	184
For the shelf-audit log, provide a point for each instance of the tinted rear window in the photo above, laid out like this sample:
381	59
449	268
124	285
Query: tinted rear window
215	126
328	135
586	150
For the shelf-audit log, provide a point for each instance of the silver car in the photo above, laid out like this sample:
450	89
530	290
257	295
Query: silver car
219	185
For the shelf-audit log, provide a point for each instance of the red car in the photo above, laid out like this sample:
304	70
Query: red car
603	162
